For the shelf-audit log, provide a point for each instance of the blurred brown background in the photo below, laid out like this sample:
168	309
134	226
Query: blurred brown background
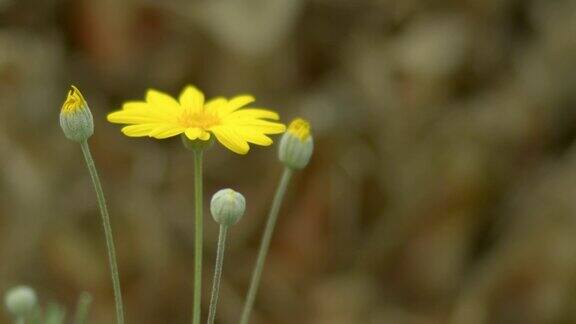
442	189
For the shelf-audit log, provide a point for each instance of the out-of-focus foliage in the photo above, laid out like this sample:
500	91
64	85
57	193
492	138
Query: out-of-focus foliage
442	189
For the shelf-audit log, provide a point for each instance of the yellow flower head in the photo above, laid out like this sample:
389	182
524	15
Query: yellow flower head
300	128
234	125
74	101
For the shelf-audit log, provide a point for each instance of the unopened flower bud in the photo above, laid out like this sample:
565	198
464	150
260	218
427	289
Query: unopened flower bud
227	207
75	117
20	300
296	145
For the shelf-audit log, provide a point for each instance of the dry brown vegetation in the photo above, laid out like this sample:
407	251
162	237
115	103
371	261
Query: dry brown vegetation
442	190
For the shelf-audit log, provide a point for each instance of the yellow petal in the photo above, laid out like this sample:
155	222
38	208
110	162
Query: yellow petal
235	104
215	105
251	136
263	126
139	130
192	99
230	139
140	116
166	131
254	113
160	100
204	135
121	117
193	133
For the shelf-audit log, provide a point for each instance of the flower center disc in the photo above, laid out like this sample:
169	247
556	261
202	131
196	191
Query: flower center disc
200	120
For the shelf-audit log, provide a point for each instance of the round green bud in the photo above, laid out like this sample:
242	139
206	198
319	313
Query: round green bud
227	207
75	117
296	145
20	300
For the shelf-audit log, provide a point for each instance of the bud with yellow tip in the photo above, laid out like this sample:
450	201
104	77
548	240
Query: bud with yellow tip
75	117
296	145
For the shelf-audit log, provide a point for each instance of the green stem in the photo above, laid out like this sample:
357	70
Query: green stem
217	273
82	308
196	315
107	231
265	244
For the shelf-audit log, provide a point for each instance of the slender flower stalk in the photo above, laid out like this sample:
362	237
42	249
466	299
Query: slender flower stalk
265	245
227	207
217	273
84	301
295	150
77	124
198	236
107	231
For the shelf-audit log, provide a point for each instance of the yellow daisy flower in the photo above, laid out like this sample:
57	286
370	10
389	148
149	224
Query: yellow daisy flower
234	125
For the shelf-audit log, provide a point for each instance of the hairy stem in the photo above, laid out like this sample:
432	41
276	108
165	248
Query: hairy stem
265	244
217	273
107	232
